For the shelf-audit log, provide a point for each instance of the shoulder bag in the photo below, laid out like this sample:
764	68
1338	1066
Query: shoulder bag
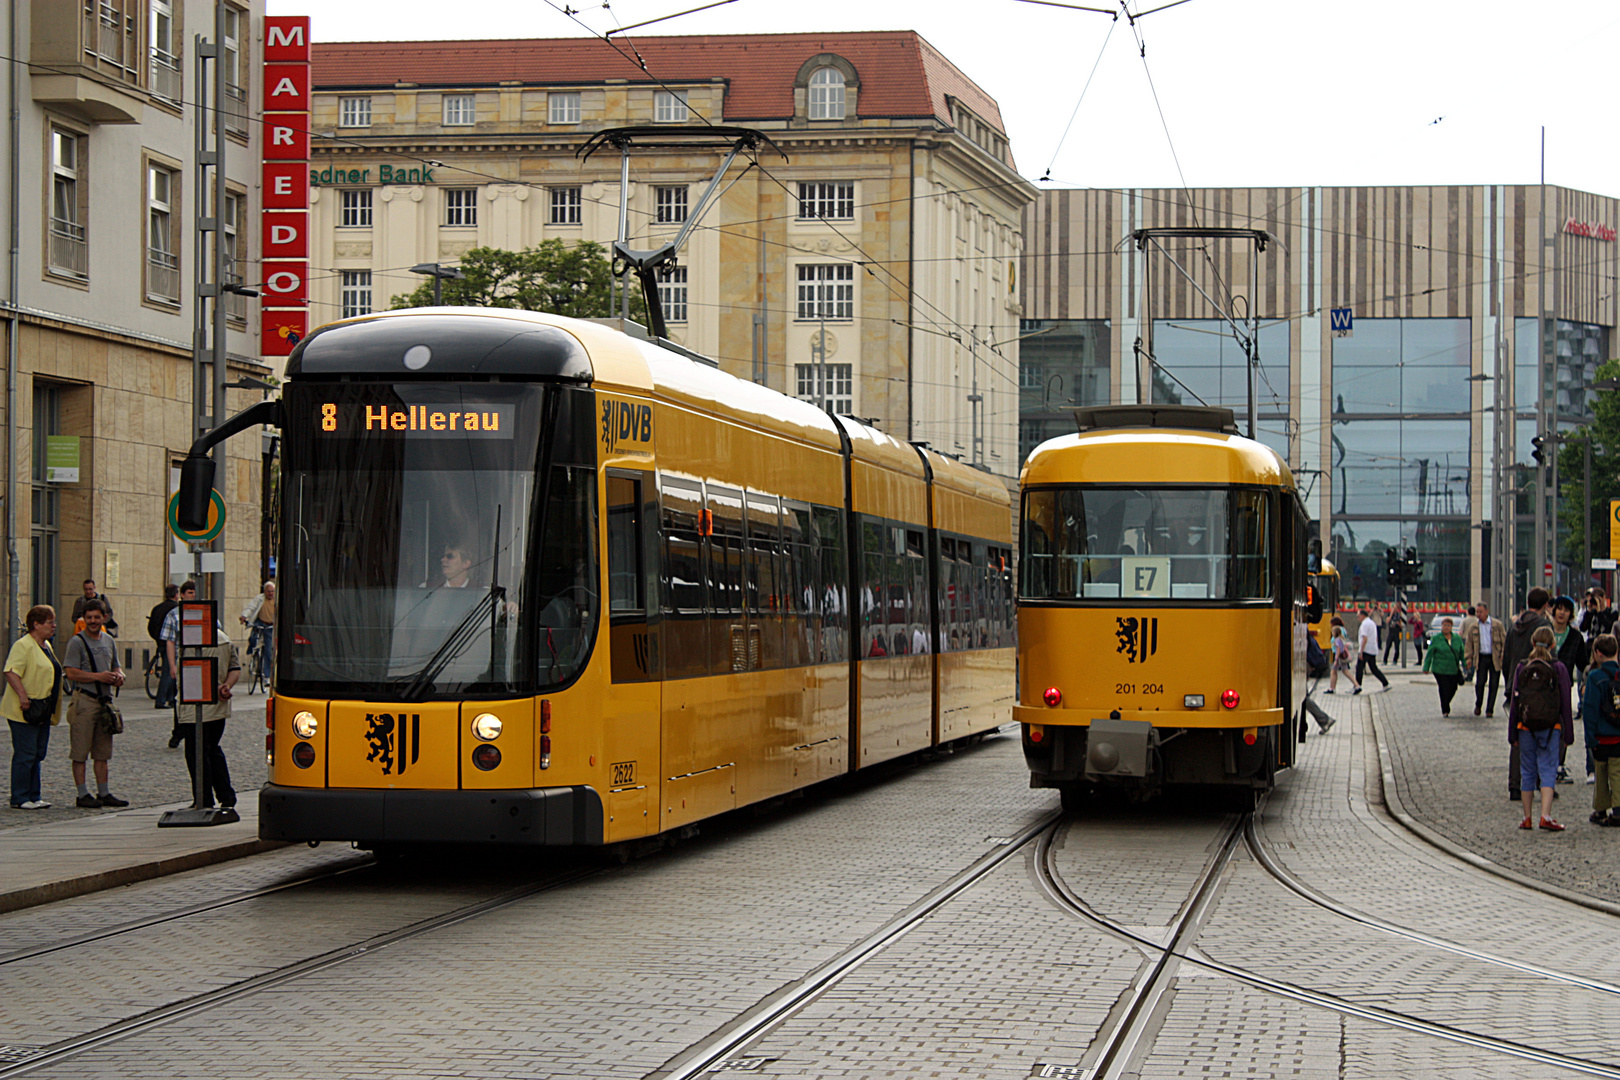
108	718
41	710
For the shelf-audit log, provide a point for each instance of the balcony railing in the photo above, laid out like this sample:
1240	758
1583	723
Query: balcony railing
109	38
162	276
236	118
165	76
69	254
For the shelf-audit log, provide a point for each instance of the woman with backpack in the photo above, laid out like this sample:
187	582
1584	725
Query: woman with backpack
1541	723
1343	659
1444	660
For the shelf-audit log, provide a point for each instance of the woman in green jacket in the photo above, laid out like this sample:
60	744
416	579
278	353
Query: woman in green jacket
1445	661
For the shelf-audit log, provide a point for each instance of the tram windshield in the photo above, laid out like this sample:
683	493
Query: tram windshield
408	573
1146	544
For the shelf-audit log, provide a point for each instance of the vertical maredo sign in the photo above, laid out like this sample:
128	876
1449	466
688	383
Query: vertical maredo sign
284	242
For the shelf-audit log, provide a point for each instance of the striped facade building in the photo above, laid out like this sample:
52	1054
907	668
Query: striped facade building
1470	320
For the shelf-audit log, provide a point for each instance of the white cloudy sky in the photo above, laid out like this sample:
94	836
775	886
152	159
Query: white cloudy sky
1283	92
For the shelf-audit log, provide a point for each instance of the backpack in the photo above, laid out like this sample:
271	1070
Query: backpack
1535	696
1316	661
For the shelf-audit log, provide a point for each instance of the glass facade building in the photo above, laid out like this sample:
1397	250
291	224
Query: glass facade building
1063	365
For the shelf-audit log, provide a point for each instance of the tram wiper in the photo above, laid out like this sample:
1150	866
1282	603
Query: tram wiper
455	644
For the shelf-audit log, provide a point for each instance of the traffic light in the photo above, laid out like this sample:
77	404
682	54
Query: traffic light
1392	560
1536	450
1414	566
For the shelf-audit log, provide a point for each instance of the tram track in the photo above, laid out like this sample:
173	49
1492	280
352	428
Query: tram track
1120	1049
67	1049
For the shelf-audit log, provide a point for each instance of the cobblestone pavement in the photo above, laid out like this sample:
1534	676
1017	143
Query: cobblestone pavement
1452	775
143	768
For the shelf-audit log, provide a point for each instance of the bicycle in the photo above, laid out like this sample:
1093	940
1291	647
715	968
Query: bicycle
154	675
260	675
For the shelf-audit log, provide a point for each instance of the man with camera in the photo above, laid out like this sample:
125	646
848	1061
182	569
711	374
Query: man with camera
91	663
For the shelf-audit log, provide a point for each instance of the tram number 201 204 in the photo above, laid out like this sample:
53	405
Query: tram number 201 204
1132	688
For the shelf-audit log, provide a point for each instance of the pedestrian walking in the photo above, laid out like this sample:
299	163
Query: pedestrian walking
1367	639
1539	722
1394	623
1445	661
91	663
1339	650
1316	666
216	783
33	704
1515	647
1420	637
168	640
1600	717
154	630
1571	650
1484	642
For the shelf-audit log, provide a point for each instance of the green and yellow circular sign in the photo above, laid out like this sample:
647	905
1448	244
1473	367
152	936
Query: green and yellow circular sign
216	519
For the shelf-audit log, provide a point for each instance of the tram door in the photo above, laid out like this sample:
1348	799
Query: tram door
631	714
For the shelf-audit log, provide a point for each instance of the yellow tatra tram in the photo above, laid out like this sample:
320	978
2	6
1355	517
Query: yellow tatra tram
546	582
1161	606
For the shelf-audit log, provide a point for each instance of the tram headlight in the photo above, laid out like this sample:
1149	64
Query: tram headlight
1053	697
1229	699
486	726
305	725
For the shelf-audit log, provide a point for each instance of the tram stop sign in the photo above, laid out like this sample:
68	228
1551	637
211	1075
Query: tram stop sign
1614	528
216	519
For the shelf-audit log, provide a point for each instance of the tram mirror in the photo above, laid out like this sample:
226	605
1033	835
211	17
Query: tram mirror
196	490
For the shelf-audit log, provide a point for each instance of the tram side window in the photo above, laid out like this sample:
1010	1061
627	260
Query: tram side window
981	596
764	580
950	630
831	552
625	577
874	615
917	588
686	650
800	625
568	575
731	647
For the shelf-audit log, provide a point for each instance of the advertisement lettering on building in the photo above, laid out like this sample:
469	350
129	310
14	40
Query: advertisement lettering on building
284	312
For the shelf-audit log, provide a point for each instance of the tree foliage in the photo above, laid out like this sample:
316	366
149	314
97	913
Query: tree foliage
1605	434
563	279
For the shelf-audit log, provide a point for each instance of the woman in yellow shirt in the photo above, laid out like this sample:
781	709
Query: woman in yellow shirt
32	674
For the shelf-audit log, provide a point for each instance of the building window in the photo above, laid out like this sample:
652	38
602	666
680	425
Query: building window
565	206
840	386
236	101
458	110
1197	360
354	208
69	251
162	246
354	295
164	71
827	291
669	107
460	207
564	108
235	244
354	112
669	204
833	202
672	293
827	94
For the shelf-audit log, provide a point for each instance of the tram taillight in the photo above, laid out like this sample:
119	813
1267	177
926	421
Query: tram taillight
1229	699
1053	697
1036	733
545	751
486	756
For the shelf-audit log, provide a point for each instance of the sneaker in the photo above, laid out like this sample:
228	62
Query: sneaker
89	802
1610	820
1358	690
1525	824
1565	778
1546	823
1323	726
33	804
1591	778
110	799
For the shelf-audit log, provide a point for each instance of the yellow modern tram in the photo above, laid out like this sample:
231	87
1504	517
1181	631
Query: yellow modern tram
1161	606
547	582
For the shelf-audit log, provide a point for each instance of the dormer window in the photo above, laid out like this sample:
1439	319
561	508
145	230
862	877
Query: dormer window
827	94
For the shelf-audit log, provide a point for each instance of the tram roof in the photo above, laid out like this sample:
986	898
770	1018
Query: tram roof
1155	455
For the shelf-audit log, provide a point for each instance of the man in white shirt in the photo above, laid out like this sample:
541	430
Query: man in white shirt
1368	660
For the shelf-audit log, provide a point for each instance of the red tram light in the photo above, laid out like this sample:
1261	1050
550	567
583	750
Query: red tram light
1036	733
303	755
545	751
486	756
545	715
1053	697
1229	699
1251	736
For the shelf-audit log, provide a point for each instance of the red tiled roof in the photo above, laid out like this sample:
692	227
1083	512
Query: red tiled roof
901	75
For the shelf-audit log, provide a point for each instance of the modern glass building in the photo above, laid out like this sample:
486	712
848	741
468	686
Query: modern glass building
1412	342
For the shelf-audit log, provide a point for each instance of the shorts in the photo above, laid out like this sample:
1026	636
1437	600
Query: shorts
85	738
1538	758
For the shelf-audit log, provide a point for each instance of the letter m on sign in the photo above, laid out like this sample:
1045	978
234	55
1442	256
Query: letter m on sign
1341	321
286	38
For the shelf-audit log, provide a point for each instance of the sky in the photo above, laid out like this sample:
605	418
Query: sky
1206	93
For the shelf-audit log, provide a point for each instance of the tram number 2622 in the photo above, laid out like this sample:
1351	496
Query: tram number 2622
1132	688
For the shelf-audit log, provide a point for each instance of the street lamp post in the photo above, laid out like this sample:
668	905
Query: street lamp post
438	272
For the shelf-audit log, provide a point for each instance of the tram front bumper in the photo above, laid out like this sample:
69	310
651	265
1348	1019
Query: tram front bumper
535	817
